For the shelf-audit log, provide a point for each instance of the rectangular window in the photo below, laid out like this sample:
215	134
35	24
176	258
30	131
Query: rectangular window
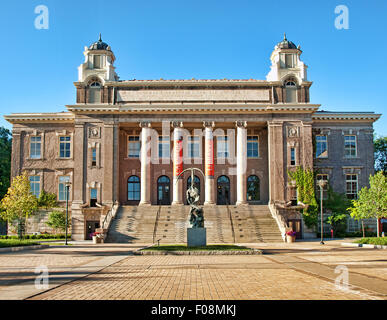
62	188
323	177
65	147
252	147
351	186
350	146
35	147
134	146
321	147
93	197
94	157
292	156
164	147
289	61
222	147
35	185
97	62
194	146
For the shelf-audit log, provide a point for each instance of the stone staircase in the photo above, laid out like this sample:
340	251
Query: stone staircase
254	223
134	224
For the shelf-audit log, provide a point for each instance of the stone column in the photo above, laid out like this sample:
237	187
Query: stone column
110	144
16	162
145	163
209	165
78	228
276	161
177	163
241	162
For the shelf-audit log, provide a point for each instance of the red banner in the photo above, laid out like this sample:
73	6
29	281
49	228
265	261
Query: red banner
209	164
178	157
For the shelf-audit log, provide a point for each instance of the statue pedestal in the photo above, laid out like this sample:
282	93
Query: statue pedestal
196	237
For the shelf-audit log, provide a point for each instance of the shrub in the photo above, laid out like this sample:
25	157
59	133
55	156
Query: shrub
375	240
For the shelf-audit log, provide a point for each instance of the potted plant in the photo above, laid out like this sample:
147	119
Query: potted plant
96	237
290	236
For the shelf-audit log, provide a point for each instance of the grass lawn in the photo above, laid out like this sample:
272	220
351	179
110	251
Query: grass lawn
374	240
220	247
17	243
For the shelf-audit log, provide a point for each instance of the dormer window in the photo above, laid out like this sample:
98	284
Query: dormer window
291	91
95	92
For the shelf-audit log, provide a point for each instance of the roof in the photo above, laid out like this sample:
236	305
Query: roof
99	45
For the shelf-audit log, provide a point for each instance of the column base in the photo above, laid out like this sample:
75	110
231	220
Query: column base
209	203
241	203
144	204
177	203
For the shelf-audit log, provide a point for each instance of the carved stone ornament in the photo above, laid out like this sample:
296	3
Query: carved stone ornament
94	133
292	132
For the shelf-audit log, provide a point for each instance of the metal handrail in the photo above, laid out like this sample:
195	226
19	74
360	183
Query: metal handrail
230	217
156	223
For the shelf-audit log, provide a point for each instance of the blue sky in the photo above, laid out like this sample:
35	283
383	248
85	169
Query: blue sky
193	39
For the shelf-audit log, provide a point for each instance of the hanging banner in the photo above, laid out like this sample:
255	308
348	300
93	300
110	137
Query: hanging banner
178	155
209	154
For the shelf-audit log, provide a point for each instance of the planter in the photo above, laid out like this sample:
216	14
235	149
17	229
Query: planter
290	239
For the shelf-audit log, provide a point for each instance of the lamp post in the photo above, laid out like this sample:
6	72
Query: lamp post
322	184
67	186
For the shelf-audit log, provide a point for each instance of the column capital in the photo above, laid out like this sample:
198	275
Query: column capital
145	124
177	124
241	124
208	124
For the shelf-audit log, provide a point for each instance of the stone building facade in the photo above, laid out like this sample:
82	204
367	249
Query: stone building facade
126	142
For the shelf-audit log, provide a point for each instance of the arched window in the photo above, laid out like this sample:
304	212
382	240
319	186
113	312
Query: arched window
163	191
134	190
253	189
95	92
196	182
291	91
223	191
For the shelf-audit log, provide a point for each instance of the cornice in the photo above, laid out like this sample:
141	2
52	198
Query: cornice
62	117
200	107
345	116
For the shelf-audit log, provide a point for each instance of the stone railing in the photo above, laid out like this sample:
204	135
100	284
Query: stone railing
105	225
280	219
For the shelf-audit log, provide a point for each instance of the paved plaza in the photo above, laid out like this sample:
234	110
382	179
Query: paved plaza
303	270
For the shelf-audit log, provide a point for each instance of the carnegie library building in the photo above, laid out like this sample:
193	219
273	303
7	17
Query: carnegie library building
121	149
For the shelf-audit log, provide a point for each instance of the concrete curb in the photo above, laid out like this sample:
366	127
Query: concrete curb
197	253
360	245
21	248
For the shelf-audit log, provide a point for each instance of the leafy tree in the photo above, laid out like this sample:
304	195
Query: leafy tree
337	204
372	201
47	200
5	160
57	220
380	146
19	202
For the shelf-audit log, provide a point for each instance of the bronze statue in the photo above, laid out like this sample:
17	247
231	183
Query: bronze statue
197	218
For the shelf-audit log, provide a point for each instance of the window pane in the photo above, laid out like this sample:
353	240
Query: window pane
321	147
35	185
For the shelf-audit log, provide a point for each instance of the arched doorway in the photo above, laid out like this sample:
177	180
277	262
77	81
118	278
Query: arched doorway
253	189
134	189
196	183
163	191
223	190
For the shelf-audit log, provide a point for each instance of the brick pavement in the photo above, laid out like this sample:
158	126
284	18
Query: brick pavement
286	271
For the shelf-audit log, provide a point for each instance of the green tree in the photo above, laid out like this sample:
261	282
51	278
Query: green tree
372	201
19	202
5	160
57	220
337	204
380	146
47	200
